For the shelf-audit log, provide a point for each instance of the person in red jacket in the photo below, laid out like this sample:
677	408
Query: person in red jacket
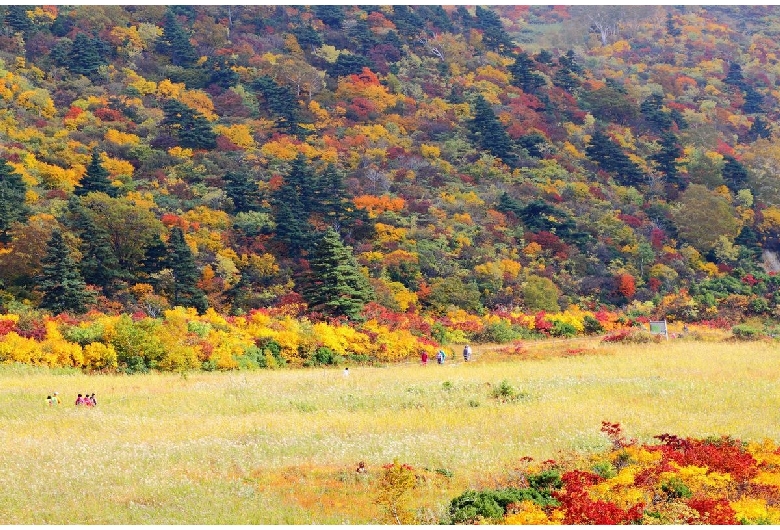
424	358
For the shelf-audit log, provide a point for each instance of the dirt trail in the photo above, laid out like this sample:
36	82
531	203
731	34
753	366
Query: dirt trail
771	263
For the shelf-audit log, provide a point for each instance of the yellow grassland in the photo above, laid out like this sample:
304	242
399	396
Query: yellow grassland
281	447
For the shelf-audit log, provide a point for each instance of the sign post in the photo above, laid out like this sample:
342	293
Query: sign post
659	328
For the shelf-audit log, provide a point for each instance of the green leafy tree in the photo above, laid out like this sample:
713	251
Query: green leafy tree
12	199
335	285
702	217
540	294
489	134
60	281
185	273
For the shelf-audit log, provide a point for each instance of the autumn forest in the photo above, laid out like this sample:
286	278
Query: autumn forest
220	187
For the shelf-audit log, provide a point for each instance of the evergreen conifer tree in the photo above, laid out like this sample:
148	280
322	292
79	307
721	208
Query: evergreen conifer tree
17	19
671	28
85	55
60	281
242	190
176	43
99	265
523	74
335	285
759	129
604	151
12	199
666	158
190	127
734	76
282	103
185	273
494	35
488	133
96	179
734	174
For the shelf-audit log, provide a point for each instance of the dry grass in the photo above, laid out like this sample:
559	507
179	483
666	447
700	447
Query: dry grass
281	447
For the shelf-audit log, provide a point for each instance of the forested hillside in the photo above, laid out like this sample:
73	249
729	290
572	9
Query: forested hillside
427	161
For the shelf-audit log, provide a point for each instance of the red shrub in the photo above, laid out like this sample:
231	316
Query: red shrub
714	511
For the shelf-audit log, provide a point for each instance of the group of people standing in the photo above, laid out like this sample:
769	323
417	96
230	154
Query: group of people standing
441	356
87	400
53	399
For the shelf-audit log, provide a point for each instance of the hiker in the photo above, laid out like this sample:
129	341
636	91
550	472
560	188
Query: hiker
93	400
467	353
79	400
440	357
55	399
87	400
48	400
424	358
346	371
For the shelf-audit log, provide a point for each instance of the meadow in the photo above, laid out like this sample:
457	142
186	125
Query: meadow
281	447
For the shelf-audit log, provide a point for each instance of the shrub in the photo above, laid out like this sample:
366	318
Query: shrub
323	356
591	325
745	332
563	329
505	392
490	505
499	332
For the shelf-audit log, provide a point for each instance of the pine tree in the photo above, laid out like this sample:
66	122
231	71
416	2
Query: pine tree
293	203
85	55
523	74
176	43
62	286
734	174
488	133
12	199
753	101
330	197
759	129
282	103
242	190
17	19
335	285
185	273
652	110
666	158
99	265
734	76
671	28
95	179
191	128
608	155
494	36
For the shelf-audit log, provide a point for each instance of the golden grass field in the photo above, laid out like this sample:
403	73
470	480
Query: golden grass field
281	447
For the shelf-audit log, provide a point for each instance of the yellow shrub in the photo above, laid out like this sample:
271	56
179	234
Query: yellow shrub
98	356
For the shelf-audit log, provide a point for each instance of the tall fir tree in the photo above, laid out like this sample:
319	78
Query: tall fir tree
293	203
523	74
488	133
666	158
96	179
60	281
185	273
335	286
242	190
12	199
99	265
734	174
176	43
494	36
759	129
608	155
282	103
190	127
85	55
